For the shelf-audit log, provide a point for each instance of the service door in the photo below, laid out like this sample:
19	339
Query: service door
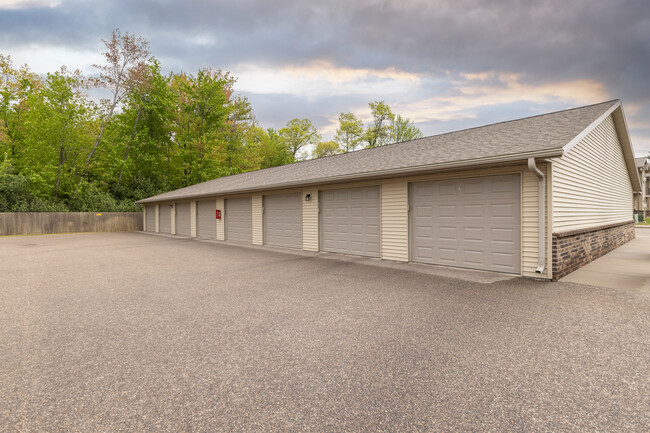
350	221
283	220
238	219
183	219
151	217
165	215
206	223
470	223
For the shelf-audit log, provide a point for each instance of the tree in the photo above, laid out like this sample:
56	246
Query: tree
126	57
141	135
378	132
238	134
57	130
16	85
402	129
271	150
60	150
349	133
326	148
297	134
200	125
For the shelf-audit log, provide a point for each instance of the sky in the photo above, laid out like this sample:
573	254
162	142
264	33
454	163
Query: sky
446	65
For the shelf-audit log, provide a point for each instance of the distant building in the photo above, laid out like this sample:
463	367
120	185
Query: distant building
642	200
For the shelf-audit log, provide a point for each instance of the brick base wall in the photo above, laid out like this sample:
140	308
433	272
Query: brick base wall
573	250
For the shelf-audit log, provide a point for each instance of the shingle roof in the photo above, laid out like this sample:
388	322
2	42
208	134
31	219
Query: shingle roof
640	162
544	134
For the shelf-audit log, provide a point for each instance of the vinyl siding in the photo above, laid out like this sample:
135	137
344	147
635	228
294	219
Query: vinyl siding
193	218
157	217
221	234
172	209
530	225
591	185
310	221
256	209
394	221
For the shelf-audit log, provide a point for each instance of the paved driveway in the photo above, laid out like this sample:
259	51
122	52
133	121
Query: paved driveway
133	332
627	267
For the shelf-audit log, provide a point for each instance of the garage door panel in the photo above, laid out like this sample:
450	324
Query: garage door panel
503	186
151	218
350	221
504	259
283	220
474	234
239	219
448	188
183	222
446	255
504	235
474	223
165	216
473	187
373	230
502	210
446	211
472	211
206	223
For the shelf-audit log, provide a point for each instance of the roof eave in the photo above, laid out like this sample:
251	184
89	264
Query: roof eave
472	163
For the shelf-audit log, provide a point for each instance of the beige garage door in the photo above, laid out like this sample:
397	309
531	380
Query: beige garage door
165	224
283	220
238	219
350	221
183	219
206	223
151	217
470	223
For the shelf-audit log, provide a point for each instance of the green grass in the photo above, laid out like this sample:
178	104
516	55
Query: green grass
647	222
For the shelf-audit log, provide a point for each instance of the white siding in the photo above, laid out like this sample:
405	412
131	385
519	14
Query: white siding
193	218
258	234
221	234
172	209
310	221
394	221
591	185
530	225
157	217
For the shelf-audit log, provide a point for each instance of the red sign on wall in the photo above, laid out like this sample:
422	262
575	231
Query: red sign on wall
218	215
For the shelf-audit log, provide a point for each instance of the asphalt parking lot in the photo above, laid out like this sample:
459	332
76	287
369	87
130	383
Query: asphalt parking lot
126	332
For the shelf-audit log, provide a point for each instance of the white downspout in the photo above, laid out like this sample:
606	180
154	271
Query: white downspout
541	231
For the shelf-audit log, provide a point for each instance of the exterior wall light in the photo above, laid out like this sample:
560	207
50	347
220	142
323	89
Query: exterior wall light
308	197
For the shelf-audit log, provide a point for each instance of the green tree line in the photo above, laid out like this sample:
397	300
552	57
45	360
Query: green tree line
63	150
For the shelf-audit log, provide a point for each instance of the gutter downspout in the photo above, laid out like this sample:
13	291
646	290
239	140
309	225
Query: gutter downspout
541	231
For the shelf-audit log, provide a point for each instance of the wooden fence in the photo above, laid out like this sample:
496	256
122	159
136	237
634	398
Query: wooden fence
32	223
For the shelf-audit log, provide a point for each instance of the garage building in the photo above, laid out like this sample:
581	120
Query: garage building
537	197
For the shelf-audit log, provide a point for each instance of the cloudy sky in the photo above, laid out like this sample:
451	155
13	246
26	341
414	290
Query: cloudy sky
447	65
